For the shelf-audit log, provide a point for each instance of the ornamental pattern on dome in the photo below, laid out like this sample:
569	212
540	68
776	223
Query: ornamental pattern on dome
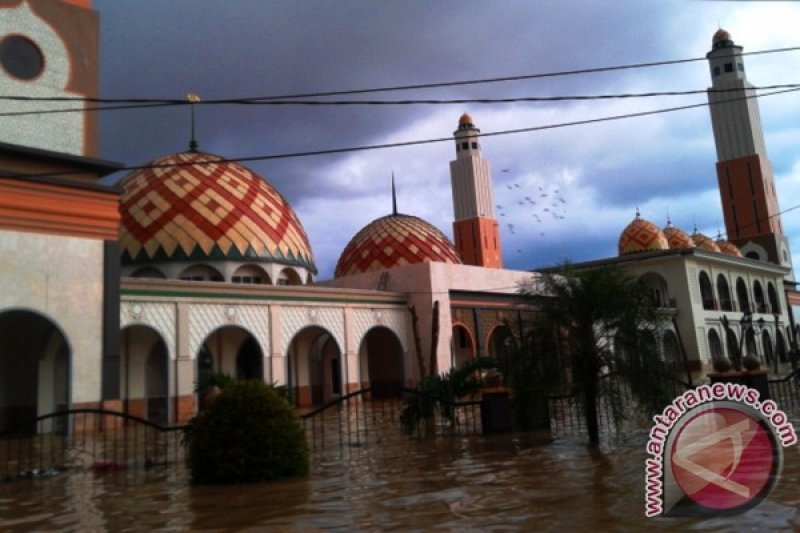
641	236
677	238
195	206
727	247
395	240
704	242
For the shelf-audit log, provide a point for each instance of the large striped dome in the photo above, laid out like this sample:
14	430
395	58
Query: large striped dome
677	238
641	236
195	206
395	240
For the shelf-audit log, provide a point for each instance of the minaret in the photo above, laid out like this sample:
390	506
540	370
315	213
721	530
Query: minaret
746	185
475	230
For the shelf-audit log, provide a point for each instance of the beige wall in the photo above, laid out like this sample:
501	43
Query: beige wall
61	279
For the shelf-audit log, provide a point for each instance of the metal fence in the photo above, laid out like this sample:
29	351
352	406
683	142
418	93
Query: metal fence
368	417
86	439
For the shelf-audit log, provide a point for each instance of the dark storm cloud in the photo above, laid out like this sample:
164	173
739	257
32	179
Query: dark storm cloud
248	48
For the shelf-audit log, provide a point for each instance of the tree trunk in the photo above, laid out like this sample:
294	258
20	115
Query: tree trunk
590	408
417	343
434	338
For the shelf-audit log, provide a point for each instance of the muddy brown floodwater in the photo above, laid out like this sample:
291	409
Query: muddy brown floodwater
502	483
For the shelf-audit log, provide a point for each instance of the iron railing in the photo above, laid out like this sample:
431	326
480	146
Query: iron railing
86	439
371	416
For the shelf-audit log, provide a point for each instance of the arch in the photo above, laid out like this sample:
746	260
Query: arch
780	348
758	297
288	276
144	372
742	295
251	274
249	360
714	345
752	254
150	272
382	362
733	346
232	351
657	286
314	373
750	343
772	295
724	293
200	273
706	292
766	346
462	345
35	366
501	346
672	352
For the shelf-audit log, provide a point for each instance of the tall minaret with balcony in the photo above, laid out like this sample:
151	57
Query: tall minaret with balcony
475	229
746	185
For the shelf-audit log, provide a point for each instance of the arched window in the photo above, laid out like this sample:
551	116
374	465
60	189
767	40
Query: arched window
772	294
200	273
672	353
741	295
766	344
724	294
758	296
706	293
250	274
714	345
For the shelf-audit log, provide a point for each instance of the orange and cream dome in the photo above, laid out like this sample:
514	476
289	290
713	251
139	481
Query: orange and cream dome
395	240
677	238
197	207
641	236
705	242
727	247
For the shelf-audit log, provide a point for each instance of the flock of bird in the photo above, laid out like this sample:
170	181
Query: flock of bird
546	204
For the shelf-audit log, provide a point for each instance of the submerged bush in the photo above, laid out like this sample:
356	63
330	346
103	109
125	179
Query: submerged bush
250	433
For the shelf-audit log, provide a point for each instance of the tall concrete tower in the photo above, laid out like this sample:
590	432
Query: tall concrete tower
475	229
746	185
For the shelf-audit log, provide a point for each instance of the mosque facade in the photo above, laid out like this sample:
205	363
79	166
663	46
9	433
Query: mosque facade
126	296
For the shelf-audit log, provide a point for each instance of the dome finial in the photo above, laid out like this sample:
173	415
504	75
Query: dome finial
394	197
638	214
192	98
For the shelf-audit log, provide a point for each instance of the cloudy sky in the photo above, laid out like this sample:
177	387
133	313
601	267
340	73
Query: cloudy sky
594	175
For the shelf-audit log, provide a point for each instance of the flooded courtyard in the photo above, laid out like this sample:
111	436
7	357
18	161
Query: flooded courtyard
498	483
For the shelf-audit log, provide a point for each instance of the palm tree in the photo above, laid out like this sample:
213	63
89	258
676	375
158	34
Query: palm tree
607	322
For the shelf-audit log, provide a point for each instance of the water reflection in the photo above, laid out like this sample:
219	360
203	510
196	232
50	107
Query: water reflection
482	483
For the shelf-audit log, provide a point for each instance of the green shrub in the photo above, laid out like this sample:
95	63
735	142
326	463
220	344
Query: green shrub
248	434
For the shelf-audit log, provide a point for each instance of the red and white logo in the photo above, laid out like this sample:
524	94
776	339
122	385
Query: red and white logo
724	459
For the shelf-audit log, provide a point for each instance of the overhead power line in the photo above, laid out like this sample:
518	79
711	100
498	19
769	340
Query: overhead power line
418	142
141	103
427	101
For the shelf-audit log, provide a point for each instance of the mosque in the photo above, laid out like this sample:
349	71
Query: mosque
123	296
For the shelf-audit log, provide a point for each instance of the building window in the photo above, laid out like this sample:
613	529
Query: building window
728	67
246	279
740	67
21	58
716	71
465	146
706	292
474	146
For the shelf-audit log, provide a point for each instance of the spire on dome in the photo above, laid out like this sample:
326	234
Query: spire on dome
192	98
394	197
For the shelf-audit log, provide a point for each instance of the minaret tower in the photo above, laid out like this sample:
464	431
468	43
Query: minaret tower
746	185
475	229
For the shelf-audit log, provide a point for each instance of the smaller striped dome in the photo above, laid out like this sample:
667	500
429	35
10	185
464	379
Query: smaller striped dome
677	238
641	236
727	247
704	242
395	240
